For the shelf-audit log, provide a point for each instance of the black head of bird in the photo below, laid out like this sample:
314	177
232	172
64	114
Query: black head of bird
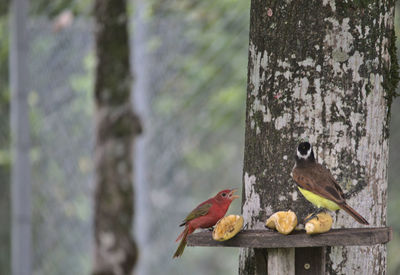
305	151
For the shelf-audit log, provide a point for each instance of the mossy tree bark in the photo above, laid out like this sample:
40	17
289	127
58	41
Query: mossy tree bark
116	127
324	71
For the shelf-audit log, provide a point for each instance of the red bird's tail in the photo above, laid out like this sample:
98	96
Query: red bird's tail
354	214
179	251
181	235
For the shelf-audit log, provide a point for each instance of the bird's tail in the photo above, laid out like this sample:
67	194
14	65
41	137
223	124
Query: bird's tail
181	235
182	244
354	214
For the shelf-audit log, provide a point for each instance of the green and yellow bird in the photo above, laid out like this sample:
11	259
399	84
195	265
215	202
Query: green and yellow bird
317	184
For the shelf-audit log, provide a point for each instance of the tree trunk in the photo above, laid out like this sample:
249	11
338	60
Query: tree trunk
326	72
116	127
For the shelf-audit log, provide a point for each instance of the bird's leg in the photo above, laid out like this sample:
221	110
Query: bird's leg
314	214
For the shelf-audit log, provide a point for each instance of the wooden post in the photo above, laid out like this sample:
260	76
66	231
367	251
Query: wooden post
20	133
281	261
309	260
324	71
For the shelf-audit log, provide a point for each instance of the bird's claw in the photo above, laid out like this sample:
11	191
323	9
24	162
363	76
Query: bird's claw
314	215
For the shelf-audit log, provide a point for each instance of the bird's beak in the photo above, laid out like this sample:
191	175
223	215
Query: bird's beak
232	196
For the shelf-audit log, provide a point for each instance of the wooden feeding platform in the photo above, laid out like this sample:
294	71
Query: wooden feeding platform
272	239
308	255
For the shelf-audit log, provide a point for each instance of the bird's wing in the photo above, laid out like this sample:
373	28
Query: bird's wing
319	181
332	180
200	210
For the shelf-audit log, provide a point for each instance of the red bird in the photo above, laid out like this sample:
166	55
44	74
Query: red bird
205	215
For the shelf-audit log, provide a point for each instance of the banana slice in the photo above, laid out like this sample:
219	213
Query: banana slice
320	224
283	221
227	227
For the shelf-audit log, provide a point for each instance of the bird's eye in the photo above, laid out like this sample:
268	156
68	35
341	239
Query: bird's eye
224	194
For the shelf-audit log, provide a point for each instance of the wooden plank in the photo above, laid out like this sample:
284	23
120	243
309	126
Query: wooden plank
272	239
309	260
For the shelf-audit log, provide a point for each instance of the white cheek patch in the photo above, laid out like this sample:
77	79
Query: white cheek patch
299	155
302	156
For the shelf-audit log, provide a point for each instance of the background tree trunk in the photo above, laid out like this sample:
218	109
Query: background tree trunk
116	127
326	72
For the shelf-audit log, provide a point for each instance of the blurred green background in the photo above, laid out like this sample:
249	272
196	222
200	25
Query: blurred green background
190	64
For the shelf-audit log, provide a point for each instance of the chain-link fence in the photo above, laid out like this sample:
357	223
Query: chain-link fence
190	69
195	83
60	82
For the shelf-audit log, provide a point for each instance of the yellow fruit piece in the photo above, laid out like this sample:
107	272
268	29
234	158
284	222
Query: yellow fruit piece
283	221
320	224
227	227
